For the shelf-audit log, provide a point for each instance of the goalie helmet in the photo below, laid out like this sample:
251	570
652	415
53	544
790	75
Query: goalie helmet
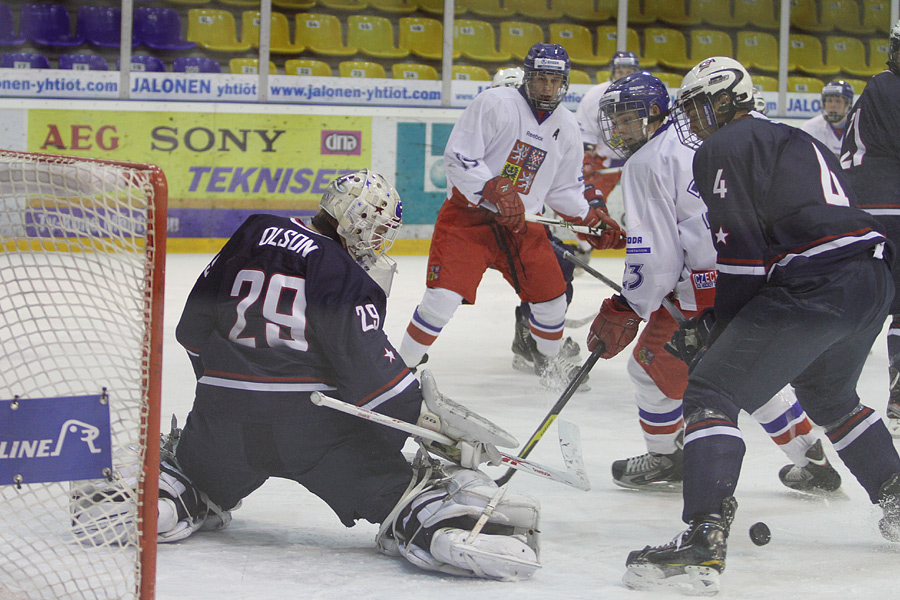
623	64
837	112
893	61
546	77
627	117
508	77
710	95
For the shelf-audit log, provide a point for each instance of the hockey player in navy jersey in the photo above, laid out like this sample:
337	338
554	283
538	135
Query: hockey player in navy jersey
287	309
871	157
802	293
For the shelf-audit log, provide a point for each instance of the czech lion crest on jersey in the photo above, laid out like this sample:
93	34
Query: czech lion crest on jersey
522	165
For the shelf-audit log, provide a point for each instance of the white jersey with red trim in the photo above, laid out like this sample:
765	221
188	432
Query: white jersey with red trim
822	130
498	134
587	115
669	243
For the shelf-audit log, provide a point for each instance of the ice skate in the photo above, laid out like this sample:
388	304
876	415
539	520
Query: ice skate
893	407
889	500
523	346
557	372
651	471
816	477
691	563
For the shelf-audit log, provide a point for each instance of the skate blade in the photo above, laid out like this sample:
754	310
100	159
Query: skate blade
695	581
519	363
663	487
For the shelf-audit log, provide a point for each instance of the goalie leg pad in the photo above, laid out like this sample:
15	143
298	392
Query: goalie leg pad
503	557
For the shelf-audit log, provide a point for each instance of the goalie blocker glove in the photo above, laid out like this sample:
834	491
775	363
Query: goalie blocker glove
615	327
500	191
462	524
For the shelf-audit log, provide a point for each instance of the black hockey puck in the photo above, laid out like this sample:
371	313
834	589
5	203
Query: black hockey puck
760	534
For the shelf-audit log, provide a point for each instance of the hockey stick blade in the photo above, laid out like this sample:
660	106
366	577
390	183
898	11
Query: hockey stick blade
512	462
570	446
576	323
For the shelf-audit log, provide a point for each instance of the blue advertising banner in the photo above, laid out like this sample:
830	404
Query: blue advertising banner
54	439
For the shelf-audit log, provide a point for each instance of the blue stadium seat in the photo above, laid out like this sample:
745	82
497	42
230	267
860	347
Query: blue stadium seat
102	26
8	35
23	60
159	28
144	63
83	62
190	64
49	25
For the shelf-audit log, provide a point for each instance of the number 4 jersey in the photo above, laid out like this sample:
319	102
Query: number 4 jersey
283	309
778	204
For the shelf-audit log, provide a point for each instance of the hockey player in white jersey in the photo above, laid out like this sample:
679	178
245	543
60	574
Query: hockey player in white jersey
670	254
828	127
510	152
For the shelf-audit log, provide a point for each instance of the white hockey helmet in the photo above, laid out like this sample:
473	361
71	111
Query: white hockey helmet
511	77
894	50
710	95
368	212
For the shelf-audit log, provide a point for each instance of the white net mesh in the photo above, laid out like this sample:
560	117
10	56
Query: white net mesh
78	249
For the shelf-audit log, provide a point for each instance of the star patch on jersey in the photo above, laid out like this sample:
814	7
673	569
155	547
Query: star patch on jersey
389	354
721	234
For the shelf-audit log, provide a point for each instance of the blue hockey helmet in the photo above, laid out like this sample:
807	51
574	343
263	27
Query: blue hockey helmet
840	89
631	110
625	63
546	78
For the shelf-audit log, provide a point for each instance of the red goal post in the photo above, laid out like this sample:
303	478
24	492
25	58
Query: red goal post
82	263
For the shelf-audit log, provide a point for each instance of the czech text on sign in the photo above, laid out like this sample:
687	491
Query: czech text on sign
54	439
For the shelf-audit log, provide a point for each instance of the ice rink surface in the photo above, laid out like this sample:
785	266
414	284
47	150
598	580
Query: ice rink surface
285	543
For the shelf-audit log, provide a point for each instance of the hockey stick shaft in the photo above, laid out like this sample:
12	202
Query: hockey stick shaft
512	462
564	224
666	302
556	409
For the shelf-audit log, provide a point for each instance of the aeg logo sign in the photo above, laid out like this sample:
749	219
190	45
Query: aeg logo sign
342	142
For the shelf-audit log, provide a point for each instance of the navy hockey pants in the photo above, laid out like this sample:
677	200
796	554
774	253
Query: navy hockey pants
233	441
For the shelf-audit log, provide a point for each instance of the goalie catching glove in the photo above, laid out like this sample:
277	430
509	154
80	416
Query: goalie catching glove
477	438
500	191
460	523
614	328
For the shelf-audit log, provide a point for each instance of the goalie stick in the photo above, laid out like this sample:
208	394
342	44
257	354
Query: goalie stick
575	480
554	412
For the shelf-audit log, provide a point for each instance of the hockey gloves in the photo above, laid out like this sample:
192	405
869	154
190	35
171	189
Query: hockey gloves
612	237
614	328
501	192
693	337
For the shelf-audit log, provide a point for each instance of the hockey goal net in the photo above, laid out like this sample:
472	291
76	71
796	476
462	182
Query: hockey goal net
82	251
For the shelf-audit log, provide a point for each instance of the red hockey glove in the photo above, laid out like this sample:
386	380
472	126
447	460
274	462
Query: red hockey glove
614	328
501	192
613	237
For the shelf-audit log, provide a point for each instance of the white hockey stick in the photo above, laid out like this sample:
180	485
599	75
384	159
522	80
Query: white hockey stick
573	479
576	323
570	445
564	224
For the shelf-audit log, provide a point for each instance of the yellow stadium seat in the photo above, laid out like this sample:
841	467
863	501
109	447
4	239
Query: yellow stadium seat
486	8
321	34
413	71
436	7
248	66
809	85
643	12
858	85
240	2
671	80
476	40
675	12
305	66
849	55
759	13
757	50
878	52
580	77
534	9
764	83
279	38
348	5
394	6
805	54
373	36
805	16
359	68
844	15
607	36
576	39
716	12
877	15
583	10
191	2
668	47
214	30
710	42
470	73
517	37
295	4
423	37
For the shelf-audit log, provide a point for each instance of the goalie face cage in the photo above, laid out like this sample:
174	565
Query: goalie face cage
82	251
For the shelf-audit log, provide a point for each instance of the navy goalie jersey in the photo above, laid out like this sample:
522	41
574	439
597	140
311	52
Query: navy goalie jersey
285	309
778	205
871	147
